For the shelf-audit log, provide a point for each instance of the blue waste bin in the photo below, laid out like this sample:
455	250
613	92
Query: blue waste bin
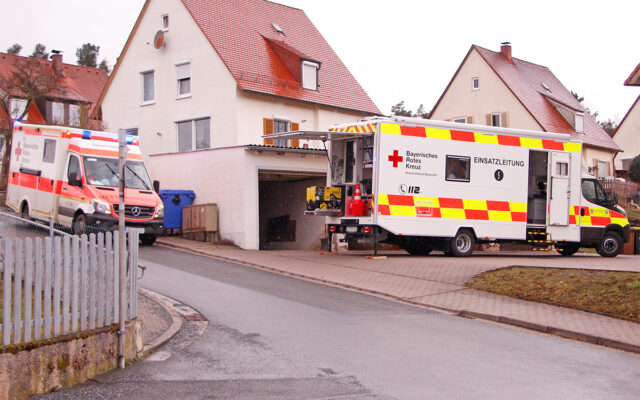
174	201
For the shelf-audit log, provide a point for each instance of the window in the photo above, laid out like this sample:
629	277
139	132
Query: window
475	83
49	154
57	113
17	107
462	120
187	141
74	115
562	169
579	123
309	75
147	87
165	22
184	80
457	168
593	192
602	169
73	168
280	126
496	119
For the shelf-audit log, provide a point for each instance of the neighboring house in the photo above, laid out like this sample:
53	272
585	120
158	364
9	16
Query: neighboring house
493	88
627	135
200	82
72	101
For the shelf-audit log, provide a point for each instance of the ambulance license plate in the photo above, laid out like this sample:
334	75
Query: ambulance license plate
352	229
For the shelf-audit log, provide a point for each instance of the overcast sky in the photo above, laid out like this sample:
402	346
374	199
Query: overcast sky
398	50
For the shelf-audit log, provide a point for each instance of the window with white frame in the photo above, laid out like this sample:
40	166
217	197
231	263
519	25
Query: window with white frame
496	119
602	169
310	75
165	22
475	83
17	107
194	134
148	95
184	79
57	113
74	115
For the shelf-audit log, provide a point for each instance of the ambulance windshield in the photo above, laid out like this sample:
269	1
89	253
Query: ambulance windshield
104	172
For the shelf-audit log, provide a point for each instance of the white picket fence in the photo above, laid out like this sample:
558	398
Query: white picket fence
54	287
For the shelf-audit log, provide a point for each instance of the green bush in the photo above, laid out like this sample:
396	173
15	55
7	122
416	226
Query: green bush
634	169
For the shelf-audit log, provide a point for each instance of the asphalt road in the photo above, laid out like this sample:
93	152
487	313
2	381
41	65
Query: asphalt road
274	337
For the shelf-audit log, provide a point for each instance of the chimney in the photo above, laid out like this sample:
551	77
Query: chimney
505	50
56	63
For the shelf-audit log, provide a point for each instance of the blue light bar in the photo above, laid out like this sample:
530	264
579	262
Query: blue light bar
86	134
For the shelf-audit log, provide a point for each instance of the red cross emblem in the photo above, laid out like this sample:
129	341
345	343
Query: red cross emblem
18	152
395	158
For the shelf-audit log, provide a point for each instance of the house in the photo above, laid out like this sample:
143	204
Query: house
200	82
627	134
70	100
494	88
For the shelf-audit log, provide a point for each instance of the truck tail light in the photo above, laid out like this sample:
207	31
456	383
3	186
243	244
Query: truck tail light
332	229
366	229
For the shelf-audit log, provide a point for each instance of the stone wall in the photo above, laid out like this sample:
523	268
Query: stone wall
51	364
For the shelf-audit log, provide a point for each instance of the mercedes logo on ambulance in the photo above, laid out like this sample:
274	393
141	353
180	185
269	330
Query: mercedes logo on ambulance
135	211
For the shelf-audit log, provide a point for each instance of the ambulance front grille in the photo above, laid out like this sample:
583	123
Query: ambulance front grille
135	212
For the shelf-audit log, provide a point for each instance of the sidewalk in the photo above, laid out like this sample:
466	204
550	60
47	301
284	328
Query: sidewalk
438	282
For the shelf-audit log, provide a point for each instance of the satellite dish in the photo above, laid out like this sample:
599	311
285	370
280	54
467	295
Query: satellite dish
158	40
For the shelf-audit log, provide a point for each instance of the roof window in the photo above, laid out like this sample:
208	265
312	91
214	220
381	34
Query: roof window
278	29
544	85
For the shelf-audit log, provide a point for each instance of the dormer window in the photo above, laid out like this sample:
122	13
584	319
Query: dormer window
579	123
310	75
278	29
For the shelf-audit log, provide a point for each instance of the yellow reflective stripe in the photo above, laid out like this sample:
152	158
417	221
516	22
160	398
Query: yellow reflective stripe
585	220
474	204
391	129
499	215
574	147
620	221
437	133
383	199
517	207
484	138
531	142
403	211
456	213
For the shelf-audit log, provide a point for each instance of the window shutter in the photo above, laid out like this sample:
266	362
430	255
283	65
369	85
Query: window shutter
595	168
489	119
608	169
469	120
184	71
504	119
294	126
267	124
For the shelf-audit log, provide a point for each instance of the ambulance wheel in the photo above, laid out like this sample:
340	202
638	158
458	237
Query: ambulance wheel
610	245
148	239
79	226
462	244
567	249
24	211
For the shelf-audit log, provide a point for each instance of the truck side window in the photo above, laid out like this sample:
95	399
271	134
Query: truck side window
593	192
457	168
73	167
49	154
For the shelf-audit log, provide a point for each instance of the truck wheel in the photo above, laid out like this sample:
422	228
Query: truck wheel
610	245
24	211
79	225
148	239
462	243
567	249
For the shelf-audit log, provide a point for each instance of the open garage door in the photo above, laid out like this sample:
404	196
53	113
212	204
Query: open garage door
282	203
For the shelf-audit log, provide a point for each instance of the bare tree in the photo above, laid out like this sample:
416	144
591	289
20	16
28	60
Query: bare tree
30	80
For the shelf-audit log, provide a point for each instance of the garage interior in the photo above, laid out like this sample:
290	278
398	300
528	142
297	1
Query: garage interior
282	203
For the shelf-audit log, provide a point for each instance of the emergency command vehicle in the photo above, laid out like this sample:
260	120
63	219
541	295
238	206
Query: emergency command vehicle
71	176
426	184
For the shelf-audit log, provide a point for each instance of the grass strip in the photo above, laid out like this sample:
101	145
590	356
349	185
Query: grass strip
612	293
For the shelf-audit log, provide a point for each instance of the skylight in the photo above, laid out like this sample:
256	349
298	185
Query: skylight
544	85
278	29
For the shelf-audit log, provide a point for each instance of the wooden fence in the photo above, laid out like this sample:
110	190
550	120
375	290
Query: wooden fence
624	190
54	287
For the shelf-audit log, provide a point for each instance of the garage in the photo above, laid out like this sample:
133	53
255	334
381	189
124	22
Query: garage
283	224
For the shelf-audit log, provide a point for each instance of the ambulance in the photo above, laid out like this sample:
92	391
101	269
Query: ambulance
71	176
426	184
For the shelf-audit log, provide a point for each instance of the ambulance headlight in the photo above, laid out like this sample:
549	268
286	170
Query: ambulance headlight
622	211
101	206
160	211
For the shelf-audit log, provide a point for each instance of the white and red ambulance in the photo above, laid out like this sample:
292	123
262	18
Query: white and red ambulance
426	184
71	176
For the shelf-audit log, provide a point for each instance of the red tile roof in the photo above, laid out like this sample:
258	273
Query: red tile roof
77	84
527	82
634	78
240	32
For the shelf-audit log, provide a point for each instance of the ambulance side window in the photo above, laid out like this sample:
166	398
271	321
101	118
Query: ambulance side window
49	154
73	168
457	168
